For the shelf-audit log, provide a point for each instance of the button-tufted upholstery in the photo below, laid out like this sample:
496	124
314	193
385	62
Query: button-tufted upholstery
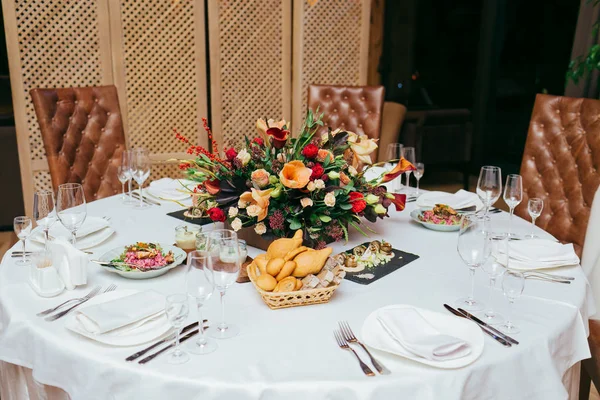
560	165
83	136
354	108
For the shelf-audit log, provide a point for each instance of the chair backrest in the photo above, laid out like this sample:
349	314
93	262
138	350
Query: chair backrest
391	125
358	109
83	136
560	165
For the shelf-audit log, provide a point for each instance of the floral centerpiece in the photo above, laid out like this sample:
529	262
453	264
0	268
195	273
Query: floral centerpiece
278	184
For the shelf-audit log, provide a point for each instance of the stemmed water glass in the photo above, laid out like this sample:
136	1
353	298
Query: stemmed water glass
44	212
71	207
474	248
123	177
200	288
126	169
177	309
489	186
535	206
494	269
224	266
419	171
409	154
140	167
395	151
22	227
513	284
513	194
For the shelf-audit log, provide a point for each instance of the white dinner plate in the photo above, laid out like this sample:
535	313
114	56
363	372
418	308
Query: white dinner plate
147	332
83	243
110	255
414	214
170	190
375	336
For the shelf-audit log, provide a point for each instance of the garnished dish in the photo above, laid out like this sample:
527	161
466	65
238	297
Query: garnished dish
442	217
366	257
142	260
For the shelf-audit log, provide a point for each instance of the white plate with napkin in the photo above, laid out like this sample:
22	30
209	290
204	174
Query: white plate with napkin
121	318
424	336
460	199
93	232
532	254
171	189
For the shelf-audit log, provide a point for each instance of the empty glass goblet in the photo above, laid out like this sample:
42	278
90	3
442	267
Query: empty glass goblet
177	309
71	207
140	167
513	284
22	227
489	186
395	151
44	212
513	194
495	270
535	206
419	171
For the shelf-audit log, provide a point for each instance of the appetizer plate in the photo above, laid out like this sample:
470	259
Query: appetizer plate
416	213
178	254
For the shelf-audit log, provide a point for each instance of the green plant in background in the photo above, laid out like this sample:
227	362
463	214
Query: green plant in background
586	64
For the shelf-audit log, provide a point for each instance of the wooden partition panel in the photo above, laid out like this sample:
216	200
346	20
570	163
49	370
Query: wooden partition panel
331	47
51	43
250	65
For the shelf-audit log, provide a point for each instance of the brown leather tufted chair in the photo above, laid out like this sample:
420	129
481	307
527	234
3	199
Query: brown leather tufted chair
355	108
83	136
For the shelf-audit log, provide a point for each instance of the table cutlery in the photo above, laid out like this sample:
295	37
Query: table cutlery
61	314
92	293
183	339
545	278
466	209
486	331
145	199
344	346
16	254
491	328
351	338
552	276
164	340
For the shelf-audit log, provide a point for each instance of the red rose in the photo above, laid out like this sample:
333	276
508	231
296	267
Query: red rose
310	151
358	204
325	177
317	171
230	154
216	214
258	141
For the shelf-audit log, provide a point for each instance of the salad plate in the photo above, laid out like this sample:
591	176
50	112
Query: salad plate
437	218
142	260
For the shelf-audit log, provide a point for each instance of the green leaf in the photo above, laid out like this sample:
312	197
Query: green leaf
295	224
325	218
346	206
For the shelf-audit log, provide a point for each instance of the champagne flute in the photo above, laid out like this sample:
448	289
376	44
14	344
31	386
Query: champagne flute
200	288
22	227
535	206
489	186
71	207
419	171
224	267
140	171
126	168
395	151
513	284
474	248
177	309
44	212
409	154
495	270
513	195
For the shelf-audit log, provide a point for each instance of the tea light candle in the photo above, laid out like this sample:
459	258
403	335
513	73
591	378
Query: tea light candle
185	237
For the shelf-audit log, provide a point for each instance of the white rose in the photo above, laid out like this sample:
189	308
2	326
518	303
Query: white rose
330	199
311	186
242	204
243	156
233	211
306	202
260	228
352	171
319	184
236	224
253	210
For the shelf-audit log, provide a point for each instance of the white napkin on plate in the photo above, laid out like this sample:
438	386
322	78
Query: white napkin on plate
90	225
168	188
70	262
530	254
412	332
124	313
460	199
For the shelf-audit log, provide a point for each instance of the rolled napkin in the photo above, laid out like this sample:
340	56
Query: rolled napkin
124	313
409	330
532	254
460	199
173	189
70	262
90	225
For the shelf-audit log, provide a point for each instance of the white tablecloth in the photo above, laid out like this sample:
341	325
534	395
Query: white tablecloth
291	353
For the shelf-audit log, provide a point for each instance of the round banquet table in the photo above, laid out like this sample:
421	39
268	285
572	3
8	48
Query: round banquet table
291	353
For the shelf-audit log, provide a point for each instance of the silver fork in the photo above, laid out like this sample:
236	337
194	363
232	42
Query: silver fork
350	337
92	293
344	346
61	314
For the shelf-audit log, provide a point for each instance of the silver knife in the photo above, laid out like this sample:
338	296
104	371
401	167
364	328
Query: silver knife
146	199
552	276
183	339
486	331
491	328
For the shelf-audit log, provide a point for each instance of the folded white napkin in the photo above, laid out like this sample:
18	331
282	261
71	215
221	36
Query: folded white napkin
460	199
70	262
168	188
125	313
90	225
537	254
412	332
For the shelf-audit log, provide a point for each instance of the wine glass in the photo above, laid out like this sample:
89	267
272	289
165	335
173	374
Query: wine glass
419	171
22	227
71	208
140	166
177	309
513	284
474	248
489	186
535	206
395	151
123	177
224	266
44	212
495	270
513	194
200	288
409	154
126	168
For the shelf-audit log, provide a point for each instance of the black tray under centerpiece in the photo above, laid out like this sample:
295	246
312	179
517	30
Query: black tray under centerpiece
370	275
184	216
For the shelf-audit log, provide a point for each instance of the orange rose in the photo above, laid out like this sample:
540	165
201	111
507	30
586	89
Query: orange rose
322	154
295	175
257	202
260	178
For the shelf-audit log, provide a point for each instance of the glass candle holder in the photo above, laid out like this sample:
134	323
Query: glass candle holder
185	236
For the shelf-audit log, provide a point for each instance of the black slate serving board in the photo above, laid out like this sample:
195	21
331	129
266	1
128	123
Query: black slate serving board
195	221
